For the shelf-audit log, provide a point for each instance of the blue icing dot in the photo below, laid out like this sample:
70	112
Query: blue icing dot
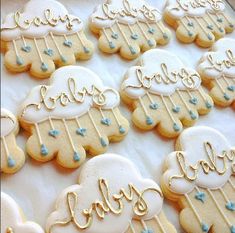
86	50
151	30
176	127
153	106
232	229
111	45
221	29
19	60
209	26
226	96
231	25
150	43
54	132
44	66
134	36
26	48
200	196
76	156
176	109
10	162
193	115
103	142
149	120
209	37
44	150
63	59
147	231
190	33
105	121
132	50
205	227
190	24
121	130
48	52
231	88
68	43
230	206
220	20
193	101
165	36
208	104
114	36
81	131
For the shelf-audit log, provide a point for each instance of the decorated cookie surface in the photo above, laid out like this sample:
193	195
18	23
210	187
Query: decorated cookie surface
200	21
128	26
199	175
110	197
12	156
164	93
76	112
12	220
217	69
42	36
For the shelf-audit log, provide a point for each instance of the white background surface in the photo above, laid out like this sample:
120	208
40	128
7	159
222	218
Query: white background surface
37	185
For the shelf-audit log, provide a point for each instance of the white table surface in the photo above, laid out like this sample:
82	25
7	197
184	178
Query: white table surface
36	186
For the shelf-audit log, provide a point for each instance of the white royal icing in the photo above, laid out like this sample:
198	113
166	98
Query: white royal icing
119	173
121	6
192	143
219	61
36	9
8	122
84	78
11	216
151	64
182	8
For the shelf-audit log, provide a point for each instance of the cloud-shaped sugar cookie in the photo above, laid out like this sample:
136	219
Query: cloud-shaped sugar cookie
38	19
109	185
12	220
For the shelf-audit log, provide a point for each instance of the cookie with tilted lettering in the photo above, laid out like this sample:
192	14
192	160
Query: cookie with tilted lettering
12	156
111	197
41	37
217	69
199	177
13	220
202	21
128	26
74	114
164	93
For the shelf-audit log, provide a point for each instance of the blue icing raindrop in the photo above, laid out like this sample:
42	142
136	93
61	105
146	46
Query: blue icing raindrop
190	24
150	43
103	142
19	61
208	105
68	43
190	33
176	127
205	227
151	30
193	115
200	196
81	131
209	26
231	25
147	231
44	150
132	50
165	36
153	106
54	132
231	88
232	229
193	101
176	109
26	48
209	37
220	20
221	29
114	36
226	96
44	66
121	130
105	121
149	120
76	156
134	36
111	45
230	206
10	162
86	50
63	59
48	52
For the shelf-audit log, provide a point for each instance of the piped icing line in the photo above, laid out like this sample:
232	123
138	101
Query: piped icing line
214	21
153	105
148	118
230	206
226	18
44	66
63	59
52	132
207	33
48	51
144	34
43	148
26	48
80	39
143	225
172	102
226	96
231	183
111	45
186	27
132	32
10	160
104	120
19	59
132	227
202	94
159	224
